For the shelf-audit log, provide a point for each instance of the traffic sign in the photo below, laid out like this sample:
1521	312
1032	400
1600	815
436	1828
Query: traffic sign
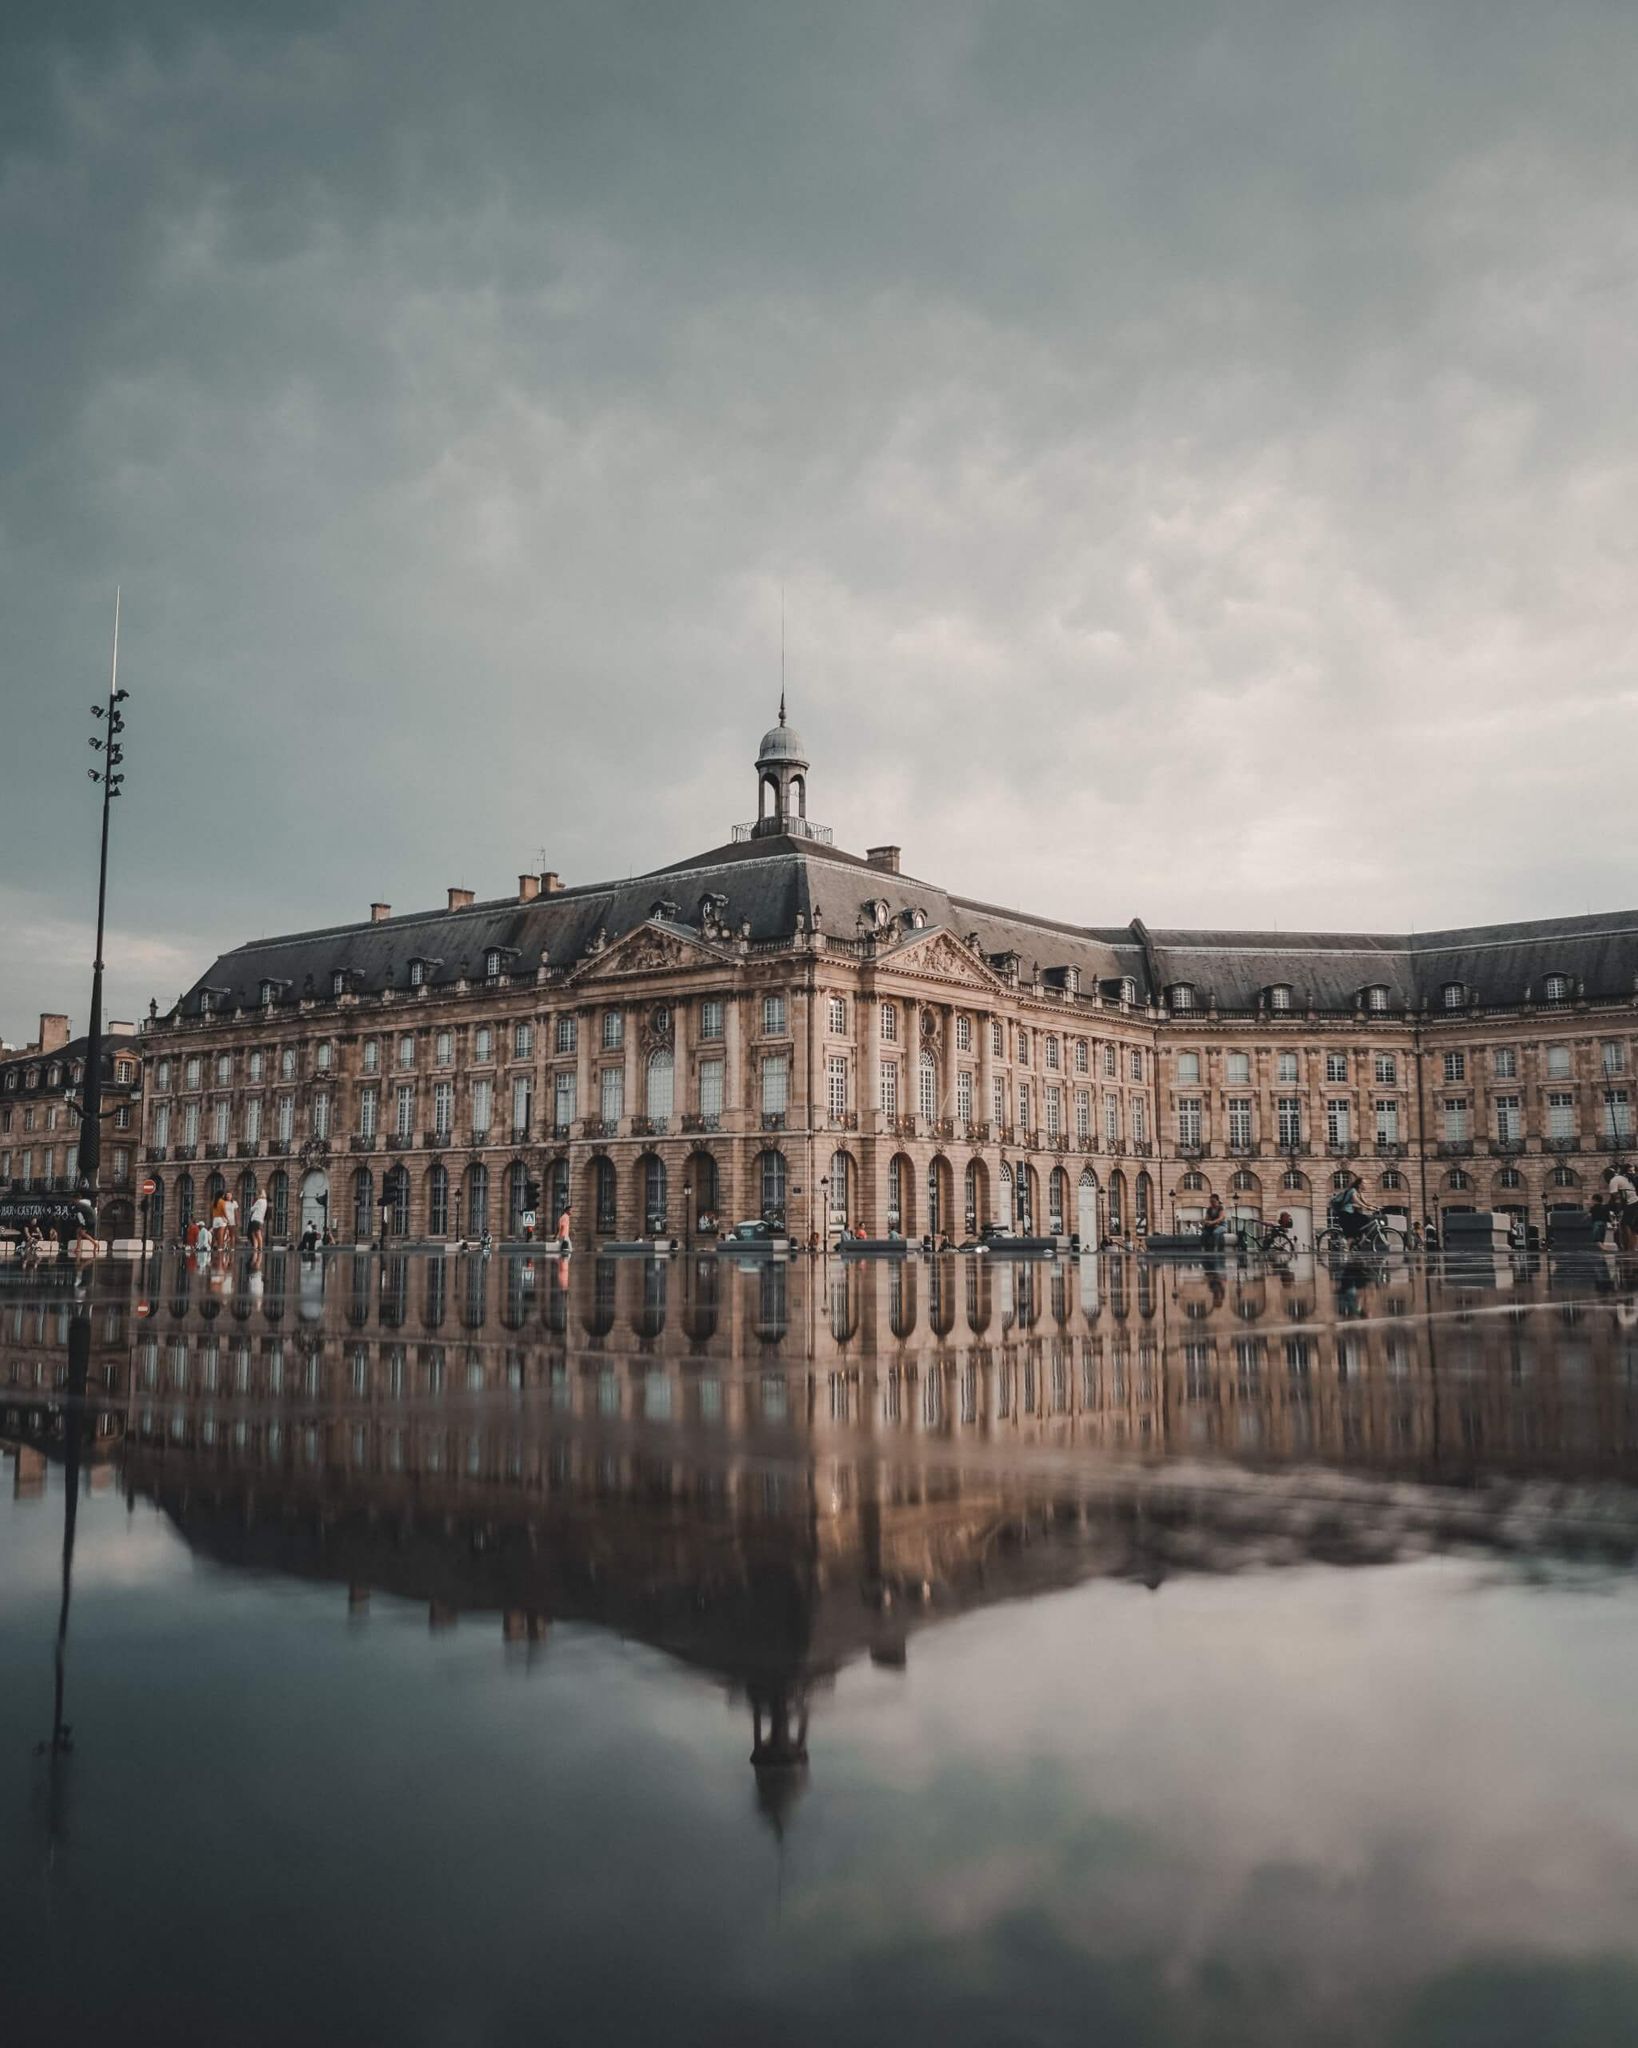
150	1187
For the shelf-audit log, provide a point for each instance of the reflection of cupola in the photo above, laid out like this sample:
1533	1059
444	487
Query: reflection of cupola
781	780
779	1752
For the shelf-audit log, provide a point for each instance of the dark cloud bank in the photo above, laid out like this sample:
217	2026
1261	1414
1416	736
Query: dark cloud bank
1196	447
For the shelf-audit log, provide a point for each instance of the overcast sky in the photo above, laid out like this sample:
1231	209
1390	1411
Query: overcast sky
1196	444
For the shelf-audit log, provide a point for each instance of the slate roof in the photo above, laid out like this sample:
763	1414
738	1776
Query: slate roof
767	883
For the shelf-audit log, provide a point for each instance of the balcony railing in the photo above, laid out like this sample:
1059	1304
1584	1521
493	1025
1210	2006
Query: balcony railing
1389	1148
156	1154
1190	1148
520	1134
1506	1147
693	1122
561	1133
650	1126
1341	1148
1566	1144
1455	1148
434	1141
600	1127
216	1149
773	1119
400	1141
187	1152
1142	1148
485	1137
359	1142
844	1120
280	1147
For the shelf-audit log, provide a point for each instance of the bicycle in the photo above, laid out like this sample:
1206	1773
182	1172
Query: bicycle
1270	1241
1375	1237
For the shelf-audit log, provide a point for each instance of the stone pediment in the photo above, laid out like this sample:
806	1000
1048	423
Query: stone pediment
940	956
648	948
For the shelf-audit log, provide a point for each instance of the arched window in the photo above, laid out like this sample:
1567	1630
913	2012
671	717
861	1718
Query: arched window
660	1084
1456	1178
438	1201
1565	1177
557	1185
707	1197
278	1204
477	1199
363	1205
927	1086
969	1198
654	1195
1509	1177
1341	1180
1194	1180
1279	996
1128	989
771	1181
604	1195
1392	1181
184	1202
1556	989
1376	997
1454	995
897	1175
1057	1200
841	1190
1181	995
517	1198
1293	1180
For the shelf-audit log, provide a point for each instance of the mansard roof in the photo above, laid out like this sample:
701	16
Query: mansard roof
1495	964
760	887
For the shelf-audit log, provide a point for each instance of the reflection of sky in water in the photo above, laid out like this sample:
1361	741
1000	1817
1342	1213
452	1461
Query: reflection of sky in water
1377	1804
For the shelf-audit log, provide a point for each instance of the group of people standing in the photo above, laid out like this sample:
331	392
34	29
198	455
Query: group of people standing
218	1233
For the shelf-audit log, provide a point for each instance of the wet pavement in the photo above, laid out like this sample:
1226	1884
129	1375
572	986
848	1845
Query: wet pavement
452	1650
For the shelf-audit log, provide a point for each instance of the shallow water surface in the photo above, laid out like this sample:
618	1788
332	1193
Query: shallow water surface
459	1652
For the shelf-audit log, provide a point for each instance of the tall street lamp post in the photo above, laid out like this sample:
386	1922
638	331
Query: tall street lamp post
110	775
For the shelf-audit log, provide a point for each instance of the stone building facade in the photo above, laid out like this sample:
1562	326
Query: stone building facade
39	1123
778	1027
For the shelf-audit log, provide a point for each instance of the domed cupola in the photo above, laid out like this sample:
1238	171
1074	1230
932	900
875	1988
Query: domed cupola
781	782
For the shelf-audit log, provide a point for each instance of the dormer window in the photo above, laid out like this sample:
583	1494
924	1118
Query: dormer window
1128	989
417	973
204	1002
1181	995
1279	996
1556	989
54	1078
338	982
269	994
1376	997
1454	995
491	963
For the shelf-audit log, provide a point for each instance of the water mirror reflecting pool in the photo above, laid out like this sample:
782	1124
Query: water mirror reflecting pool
454	1650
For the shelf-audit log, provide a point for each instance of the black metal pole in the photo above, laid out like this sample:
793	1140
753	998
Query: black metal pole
90	1151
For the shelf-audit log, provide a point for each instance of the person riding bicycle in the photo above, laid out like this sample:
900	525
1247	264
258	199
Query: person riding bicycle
1350	1212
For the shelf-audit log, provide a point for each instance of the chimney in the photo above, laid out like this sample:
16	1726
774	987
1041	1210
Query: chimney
120	1029
380	912
460	899
884	857
53	1031
528	888
551	882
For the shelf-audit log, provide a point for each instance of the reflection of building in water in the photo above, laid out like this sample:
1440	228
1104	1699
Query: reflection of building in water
768	1471
775	1026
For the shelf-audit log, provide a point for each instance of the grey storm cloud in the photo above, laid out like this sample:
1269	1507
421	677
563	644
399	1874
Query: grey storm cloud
1193	448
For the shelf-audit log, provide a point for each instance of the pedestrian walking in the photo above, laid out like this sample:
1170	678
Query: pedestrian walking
258	1219
565	1239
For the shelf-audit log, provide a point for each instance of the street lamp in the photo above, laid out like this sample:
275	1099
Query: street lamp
112	779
